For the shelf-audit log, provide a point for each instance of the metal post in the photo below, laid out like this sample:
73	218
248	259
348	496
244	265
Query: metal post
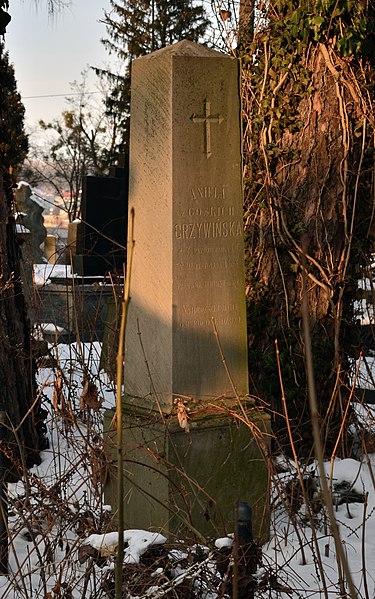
246	551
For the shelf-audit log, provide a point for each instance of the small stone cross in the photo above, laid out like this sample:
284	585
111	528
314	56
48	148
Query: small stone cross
207	118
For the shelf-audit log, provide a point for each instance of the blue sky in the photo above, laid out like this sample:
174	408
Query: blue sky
48	53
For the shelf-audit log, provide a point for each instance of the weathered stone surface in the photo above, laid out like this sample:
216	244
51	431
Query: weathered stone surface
75	235
185	189
77	308
182	483
187	273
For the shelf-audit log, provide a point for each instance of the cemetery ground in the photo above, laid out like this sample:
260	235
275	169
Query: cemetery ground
62	541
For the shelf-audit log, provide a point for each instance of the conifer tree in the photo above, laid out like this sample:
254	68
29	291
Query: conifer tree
18	405
137	27
13	141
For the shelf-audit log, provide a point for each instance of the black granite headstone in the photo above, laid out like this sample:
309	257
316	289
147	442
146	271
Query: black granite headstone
104	213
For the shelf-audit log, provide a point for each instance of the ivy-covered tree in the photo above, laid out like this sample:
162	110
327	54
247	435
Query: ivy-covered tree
309	89
137	27
19	408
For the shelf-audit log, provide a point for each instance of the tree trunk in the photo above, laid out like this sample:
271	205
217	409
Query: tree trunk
246	24
18	398
308	148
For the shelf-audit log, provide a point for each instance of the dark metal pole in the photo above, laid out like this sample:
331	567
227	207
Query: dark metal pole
246	551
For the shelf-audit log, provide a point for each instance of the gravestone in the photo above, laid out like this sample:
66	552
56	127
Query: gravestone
101	238
31	233
50	249
76	307
186	191
29	215
73	299
74	245
186	344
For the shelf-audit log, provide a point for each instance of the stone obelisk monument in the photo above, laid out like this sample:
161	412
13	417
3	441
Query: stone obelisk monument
186	344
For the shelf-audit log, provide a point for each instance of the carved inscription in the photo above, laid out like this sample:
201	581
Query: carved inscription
201	208
209	211
208	229
201	315
208	322
222	264
208	309
202	225
221	284
208	192
227	249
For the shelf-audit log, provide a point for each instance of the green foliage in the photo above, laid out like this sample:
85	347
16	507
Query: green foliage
347	24
13	141
283	72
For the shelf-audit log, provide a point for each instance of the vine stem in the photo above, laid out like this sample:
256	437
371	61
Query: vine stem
342	561
119	419
344	420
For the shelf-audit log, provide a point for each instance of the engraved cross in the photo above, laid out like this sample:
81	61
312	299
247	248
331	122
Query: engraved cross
207	118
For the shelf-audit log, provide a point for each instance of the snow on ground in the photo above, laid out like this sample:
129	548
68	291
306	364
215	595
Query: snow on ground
351	480
62	544
366	372
75	360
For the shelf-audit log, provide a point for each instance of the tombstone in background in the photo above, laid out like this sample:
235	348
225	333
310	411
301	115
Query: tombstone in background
187	278
72	299
31	233
29	214
77	308
50	249
74	245
101	238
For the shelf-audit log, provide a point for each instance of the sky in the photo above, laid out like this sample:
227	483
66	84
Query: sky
50	53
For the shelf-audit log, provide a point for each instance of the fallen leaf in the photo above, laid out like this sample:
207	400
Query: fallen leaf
58	395
225	14
89	397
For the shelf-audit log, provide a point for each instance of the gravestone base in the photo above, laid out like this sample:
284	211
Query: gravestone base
180	483
94	266
74	306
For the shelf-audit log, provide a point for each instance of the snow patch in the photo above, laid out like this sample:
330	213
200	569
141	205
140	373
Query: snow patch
223	542
138	542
